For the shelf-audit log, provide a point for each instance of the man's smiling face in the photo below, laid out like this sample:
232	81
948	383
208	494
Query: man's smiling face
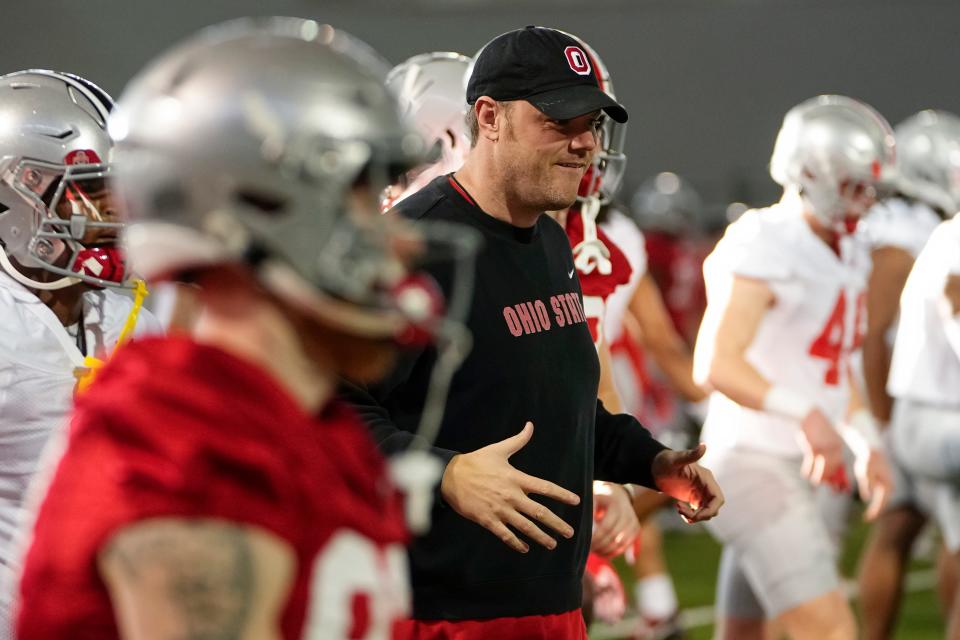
542	160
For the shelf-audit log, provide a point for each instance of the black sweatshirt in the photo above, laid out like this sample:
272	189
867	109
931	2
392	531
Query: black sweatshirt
532	359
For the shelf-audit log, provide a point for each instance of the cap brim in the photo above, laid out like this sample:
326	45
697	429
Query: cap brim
571	102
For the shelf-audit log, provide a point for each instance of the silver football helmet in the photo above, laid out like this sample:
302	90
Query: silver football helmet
246	144
57	210
604	177
835	152
267	142
669	204
928	159
430	89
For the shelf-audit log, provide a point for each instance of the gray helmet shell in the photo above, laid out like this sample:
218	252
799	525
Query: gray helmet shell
244	144
928	159
429	87
827	141
47	119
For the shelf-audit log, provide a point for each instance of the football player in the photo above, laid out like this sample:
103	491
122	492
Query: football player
679	231
602	268
638	324
785	290
60	268
928	190
601	265
601	238
211	486
430	87
670	215
925	368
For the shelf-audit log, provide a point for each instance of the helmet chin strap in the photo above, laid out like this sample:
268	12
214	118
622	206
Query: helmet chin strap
15	273
591	253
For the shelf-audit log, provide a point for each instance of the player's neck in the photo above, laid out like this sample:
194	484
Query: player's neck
66	303
479	178
829	236
253	329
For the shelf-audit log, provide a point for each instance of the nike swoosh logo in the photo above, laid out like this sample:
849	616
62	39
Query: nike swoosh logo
570	275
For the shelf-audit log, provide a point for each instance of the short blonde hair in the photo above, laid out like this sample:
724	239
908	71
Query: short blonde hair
473	127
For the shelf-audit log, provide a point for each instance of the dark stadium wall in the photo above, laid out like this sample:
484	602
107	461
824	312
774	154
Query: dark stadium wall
706	81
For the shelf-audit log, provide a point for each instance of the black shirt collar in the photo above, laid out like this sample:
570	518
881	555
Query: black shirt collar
464	201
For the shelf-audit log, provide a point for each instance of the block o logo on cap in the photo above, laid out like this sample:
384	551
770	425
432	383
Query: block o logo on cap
577	60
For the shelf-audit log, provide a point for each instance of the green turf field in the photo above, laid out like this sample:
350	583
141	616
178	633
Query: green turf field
693	557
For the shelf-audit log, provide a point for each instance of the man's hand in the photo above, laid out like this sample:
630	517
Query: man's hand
483	487
616	523
822	452
875	482
678	475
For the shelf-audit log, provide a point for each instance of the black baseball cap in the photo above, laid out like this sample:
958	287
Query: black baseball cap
547	68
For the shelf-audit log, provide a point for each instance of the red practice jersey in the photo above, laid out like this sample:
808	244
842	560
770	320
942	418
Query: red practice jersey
676	264
172	428
597	286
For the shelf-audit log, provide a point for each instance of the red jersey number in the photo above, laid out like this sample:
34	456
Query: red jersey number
829	344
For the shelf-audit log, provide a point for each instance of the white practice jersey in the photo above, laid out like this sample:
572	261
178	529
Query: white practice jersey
37	361
628	237
902	224
805	340
926	365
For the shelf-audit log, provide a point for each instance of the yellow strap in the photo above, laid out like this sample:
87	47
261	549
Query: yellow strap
86	374
139	294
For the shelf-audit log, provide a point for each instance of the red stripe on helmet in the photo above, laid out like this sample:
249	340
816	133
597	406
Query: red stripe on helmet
596	67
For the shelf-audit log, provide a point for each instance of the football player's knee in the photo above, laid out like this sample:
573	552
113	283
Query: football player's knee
740	629
828	617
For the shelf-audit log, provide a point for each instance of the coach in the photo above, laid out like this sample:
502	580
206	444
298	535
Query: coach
535	117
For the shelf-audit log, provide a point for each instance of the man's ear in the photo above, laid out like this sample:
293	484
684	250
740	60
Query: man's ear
489	117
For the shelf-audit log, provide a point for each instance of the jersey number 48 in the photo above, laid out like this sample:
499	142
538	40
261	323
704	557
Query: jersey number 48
829	345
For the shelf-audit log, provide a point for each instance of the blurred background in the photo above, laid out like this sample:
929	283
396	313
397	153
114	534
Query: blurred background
706	82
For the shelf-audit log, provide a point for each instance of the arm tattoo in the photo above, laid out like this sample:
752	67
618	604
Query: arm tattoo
203	569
